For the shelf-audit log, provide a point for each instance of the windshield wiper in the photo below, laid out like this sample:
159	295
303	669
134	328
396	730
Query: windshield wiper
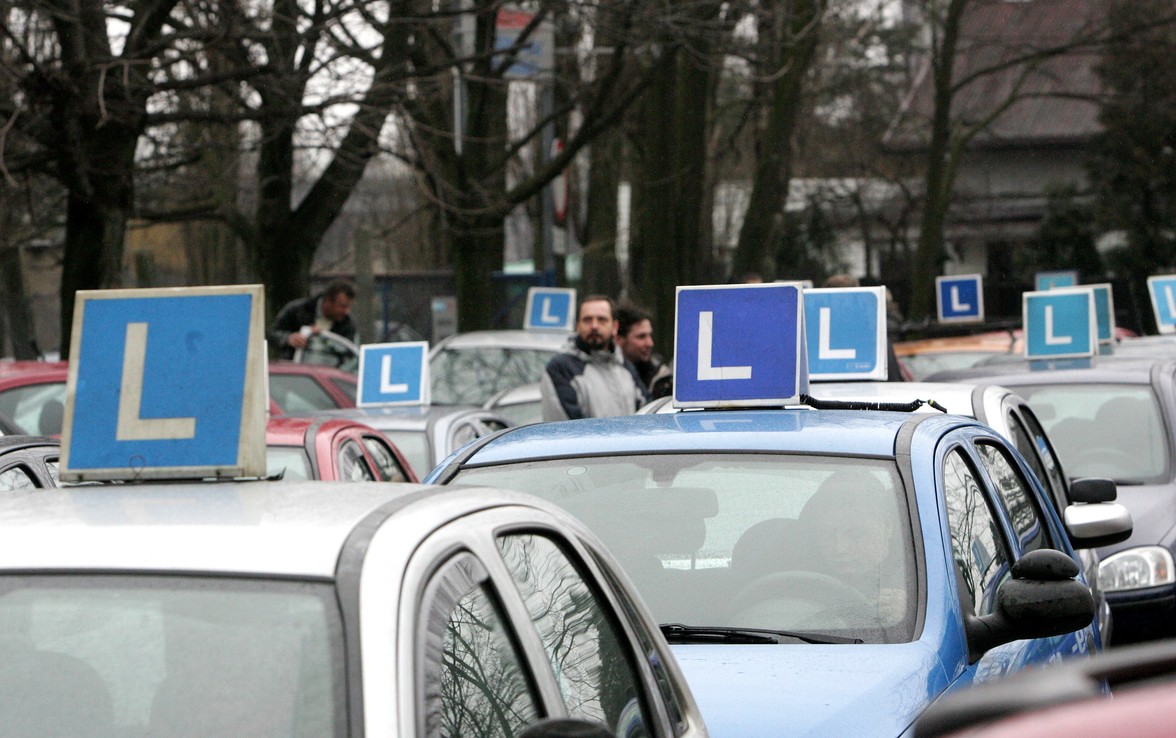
679	633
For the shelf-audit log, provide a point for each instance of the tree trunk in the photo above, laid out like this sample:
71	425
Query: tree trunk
601	273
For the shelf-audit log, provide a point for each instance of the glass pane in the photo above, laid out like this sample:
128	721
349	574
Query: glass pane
390	470
414	445
295	394
291	462
168	657
36	408
1053	465
588	655
16	479
472	376
976	539
353	465
1016	498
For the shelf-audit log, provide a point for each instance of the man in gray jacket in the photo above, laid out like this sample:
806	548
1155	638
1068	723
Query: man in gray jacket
590	378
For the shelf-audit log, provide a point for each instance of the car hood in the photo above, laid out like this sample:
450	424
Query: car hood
1153	515
846	690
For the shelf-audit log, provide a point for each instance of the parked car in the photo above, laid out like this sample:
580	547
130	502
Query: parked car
823	572
522	404
926	356
321	609
332	450
426	434
28	462
470	368
1116	419
32	395
301	388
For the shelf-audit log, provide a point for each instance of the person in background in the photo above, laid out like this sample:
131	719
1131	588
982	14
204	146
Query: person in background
893	368
635	337
590	377
299	319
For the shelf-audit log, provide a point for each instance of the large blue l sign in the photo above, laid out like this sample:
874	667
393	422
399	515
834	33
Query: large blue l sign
550	308
960	298
1162	289
738	345
846	333
1060	323
394	374
166	383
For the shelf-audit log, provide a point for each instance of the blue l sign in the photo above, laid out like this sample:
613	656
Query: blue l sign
551	309
1163	298
738	345
1104	312
846	333
960	298
394	374
1053	280
1060	323
166	383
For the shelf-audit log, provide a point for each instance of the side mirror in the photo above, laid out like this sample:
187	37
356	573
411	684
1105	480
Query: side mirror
1093	489
566	728
1042	599
1090	525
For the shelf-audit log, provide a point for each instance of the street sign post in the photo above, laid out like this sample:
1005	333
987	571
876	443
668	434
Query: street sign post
960	298
166	384
550	309
845	329
393	374
1060	323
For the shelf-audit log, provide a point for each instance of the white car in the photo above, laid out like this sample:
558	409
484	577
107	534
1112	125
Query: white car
317	609
470	368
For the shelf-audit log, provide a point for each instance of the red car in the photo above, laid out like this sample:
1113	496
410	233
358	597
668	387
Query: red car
302	388
333	450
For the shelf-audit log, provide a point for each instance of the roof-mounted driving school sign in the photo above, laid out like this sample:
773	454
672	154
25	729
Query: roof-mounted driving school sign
550	309
960	298
845	329
739	345
393	374
1060	323
1162	289
1104	312
166	384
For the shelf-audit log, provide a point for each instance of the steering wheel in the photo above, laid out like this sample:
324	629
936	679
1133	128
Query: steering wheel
822	589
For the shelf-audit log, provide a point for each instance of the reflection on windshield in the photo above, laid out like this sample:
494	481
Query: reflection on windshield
471	376
798	543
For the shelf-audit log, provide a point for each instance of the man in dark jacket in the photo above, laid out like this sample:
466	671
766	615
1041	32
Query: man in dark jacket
299	319
635	337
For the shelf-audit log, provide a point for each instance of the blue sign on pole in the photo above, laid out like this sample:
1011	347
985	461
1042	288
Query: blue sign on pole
166	383
1052	280
550	309
960	298
393	374
1162	289
845	330
739	345
1104	312
1060	323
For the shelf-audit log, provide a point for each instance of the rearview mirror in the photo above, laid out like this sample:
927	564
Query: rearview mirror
1097	524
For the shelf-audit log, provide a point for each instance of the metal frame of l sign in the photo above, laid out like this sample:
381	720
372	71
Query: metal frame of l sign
1060	323
1056	279
1162	288
166	384
739	345
550	309
960	306
1104	311
393	374
845	329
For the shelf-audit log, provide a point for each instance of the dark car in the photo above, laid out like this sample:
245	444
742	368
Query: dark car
28	462
1115	419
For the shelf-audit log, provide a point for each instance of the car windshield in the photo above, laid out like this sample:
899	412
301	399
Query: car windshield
1104	430
471	376
112	655
924	365
799	543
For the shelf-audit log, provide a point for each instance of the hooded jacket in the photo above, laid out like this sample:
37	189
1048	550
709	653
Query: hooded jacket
582	383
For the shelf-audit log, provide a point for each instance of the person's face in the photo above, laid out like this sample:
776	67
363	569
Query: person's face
857	543
595	325
337	307
638	344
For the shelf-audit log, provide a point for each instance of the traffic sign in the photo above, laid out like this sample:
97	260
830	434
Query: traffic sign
550	309
393	374
845	329
166	384
1104	312
960	298
1162	289
1052	280
739	345
1060	323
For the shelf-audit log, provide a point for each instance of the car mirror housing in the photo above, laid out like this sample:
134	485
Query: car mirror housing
566	728
1041	599
1093	489
1090	525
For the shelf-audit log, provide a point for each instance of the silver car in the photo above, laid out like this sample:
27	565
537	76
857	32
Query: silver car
315	609
470	368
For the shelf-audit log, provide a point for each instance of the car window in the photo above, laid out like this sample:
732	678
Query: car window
475	679
1078	418
736	539
15	479
1029	438
296	393
36	408
353	465
287	462
344	386
471	376
1017	499
386	463
588	653
979	548
464	432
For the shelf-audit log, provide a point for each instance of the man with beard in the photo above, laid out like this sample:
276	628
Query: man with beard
590	378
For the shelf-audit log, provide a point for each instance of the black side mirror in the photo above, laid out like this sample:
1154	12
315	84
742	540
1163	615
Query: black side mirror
1093	489
566	728
1042	599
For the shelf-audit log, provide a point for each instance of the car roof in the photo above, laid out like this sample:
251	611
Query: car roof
293	367
290	430
552	340
846	432
261	528
1112	369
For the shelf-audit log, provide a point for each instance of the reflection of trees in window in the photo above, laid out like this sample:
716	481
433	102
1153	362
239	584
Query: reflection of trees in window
475	375
596	680
975	537
1018	504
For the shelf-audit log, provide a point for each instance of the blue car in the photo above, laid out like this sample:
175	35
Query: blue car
818	572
